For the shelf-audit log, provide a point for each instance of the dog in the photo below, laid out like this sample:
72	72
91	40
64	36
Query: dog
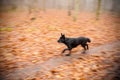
73	42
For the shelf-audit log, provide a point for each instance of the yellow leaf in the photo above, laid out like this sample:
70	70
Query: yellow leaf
34	61
58	76
6	29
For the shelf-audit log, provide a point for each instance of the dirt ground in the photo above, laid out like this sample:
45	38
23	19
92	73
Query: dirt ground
29	49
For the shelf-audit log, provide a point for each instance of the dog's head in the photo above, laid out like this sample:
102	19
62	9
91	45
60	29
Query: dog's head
62	38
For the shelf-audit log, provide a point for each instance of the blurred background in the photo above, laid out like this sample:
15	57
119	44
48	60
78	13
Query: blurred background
87	5
29	30
77	6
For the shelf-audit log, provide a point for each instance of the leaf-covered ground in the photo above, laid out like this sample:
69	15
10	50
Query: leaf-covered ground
27	40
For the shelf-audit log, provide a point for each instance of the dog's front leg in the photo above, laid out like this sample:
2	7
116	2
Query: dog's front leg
65	50
69	48
69	53
84	46
87	46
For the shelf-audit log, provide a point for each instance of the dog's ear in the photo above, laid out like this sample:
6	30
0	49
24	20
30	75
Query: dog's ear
61	34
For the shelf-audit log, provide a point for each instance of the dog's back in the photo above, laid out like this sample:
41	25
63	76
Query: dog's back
83	39
73	42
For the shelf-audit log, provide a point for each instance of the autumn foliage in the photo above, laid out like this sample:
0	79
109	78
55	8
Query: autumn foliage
27	40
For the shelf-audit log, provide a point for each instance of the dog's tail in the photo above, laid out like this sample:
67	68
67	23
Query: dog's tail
88	40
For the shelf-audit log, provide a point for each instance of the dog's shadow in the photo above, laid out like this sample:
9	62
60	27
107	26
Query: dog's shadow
78	53
75	55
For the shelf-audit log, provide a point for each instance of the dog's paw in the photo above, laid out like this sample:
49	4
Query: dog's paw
83	52
67	54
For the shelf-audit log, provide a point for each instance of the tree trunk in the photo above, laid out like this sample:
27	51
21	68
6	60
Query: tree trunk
76	10
69	8
98	9
44	5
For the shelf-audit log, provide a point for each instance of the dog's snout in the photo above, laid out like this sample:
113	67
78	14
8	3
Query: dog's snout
59	41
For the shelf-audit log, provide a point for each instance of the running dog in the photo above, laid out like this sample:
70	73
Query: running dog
73	42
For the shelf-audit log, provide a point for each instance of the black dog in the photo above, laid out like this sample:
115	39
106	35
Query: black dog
73	42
